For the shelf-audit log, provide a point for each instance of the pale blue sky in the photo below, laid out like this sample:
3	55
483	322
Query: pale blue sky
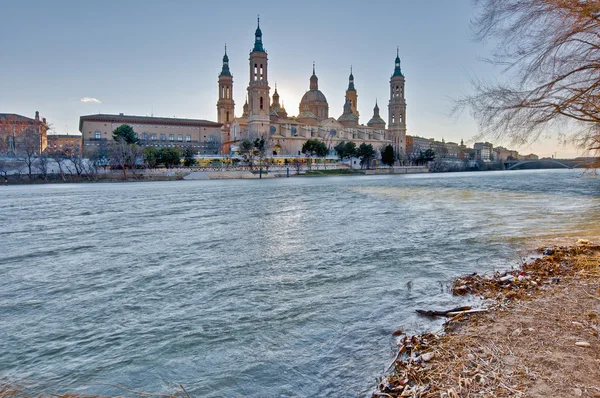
137	56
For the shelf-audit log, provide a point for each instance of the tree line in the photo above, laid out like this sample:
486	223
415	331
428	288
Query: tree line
20	153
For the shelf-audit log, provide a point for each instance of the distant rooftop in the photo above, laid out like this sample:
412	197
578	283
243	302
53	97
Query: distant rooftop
18	118
122	118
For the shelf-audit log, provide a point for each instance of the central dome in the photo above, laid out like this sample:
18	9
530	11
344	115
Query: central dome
313	102
313	96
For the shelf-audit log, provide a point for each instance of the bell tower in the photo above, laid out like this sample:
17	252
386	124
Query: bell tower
225	104
258	89
397	108
351	94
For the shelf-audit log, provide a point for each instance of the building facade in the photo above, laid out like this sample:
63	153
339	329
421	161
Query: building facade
267	118
203	136
20	133
64	143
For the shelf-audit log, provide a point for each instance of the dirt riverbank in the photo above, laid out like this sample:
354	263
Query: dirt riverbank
540	337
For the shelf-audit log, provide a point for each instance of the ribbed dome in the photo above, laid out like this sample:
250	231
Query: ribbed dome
312	96
375	120
346	117
306	115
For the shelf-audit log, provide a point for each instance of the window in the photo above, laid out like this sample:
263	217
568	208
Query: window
98	135
227	119
171	137
163	137
261	102
144	136
180	137
188	138
153	136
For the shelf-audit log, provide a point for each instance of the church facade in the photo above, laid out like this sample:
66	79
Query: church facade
265	116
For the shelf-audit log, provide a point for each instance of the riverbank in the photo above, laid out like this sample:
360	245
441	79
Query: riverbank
200	174
539	338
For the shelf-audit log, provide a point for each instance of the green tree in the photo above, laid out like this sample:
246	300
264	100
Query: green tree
339	149
350	150
366	153
188	157
345	150
388	156
151	156
314	147
429	155
246	151
259	148
126	133
170	157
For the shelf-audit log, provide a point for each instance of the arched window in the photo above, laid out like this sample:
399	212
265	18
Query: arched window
255	72
393	119
261	102
261	72
227	117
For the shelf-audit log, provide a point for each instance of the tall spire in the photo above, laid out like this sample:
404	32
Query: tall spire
225	70
351	81
314	80
397	71
258	46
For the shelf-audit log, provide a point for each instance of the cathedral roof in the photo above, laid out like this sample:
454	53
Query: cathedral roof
397	70
306	115
258	46
225	70
313	96
351	81
348	115
375	120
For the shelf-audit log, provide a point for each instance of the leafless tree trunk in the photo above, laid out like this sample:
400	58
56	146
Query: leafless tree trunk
42	165
60	159
75	155
28	148
124	155
550	52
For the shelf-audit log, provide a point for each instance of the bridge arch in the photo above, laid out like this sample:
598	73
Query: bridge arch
515	164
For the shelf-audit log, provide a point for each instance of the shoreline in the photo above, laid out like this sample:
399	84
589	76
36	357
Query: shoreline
190	174
538	335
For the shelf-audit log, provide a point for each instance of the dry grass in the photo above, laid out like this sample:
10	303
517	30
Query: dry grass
530	345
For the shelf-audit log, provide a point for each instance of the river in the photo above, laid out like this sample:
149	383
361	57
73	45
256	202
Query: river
254	288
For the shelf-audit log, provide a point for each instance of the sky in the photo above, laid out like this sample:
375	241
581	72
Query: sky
141	57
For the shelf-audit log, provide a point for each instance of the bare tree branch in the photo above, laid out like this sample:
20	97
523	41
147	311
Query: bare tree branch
550	54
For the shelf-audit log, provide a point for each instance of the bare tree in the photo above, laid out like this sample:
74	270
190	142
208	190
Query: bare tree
124	155
28	149
550	51
60	158
43	165
75	161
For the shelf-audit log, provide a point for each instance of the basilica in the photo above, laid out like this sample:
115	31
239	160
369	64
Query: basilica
265	116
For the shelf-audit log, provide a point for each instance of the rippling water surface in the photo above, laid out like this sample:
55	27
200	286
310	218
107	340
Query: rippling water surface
279	287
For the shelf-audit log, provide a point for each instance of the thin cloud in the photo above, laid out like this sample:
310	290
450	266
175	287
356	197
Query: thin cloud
91	99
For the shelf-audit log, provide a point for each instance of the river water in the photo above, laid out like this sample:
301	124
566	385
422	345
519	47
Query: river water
254	288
